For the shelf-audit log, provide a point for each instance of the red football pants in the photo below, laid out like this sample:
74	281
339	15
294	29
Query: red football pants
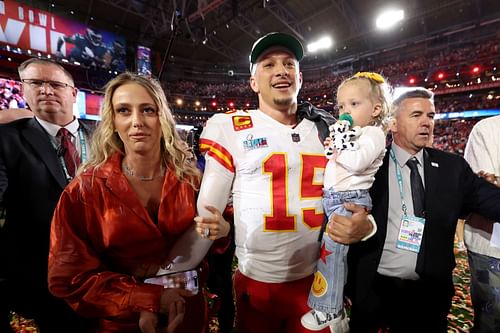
271	307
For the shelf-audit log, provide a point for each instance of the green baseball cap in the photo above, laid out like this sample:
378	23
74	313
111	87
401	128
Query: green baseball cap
276	39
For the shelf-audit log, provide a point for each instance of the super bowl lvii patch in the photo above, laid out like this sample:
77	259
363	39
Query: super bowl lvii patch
250	143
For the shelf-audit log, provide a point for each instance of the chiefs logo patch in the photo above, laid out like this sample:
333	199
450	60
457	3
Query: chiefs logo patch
242	122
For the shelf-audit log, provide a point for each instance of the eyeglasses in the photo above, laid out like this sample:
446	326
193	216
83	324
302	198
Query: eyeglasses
56	85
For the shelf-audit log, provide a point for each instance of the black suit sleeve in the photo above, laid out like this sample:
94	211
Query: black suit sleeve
4	181
480	196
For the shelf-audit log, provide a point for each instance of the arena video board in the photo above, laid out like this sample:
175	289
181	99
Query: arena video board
144	60
26	30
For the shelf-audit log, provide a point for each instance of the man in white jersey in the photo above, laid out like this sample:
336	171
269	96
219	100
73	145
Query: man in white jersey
481	235
272	162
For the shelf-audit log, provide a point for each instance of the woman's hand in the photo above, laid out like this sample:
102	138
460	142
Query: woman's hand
213	227
148	322
172	304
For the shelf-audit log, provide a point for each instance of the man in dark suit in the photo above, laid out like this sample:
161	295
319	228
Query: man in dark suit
34	169
402	277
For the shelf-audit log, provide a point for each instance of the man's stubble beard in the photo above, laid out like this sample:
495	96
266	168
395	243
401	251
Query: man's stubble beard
283	101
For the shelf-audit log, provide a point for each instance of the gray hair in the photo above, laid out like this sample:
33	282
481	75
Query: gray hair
22	67
414	93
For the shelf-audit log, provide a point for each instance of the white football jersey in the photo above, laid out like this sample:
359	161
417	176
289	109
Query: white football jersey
278	179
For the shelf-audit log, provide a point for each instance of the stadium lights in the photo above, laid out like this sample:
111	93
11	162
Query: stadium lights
389	18
321	44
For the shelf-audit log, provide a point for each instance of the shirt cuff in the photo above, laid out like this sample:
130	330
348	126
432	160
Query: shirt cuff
374	229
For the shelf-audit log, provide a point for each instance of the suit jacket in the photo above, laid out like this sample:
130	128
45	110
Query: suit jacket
31	181
452	190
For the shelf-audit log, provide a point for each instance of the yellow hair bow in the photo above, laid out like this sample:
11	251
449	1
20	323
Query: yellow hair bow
370	75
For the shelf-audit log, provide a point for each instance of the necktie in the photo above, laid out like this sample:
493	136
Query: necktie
417	188
68	151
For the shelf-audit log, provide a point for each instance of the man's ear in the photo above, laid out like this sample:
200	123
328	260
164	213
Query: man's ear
74	92
392	125
254	85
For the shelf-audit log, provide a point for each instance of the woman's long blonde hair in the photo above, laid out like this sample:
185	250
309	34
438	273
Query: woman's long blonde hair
105	140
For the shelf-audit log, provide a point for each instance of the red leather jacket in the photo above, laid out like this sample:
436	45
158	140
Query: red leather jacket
101	236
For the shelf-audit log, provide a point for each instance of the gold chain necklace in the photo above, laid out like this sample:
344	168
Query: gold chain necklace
130	172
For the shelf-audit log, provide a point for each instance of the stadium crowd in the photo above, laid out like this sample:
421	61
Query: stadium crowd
423	69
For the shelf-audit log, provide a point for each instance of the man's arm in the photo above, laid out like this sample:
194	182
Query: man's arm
348	230
190	249
477	151
60	43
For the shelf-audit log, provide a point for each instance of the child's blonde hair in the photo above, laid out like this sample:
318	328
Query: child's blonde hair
379	90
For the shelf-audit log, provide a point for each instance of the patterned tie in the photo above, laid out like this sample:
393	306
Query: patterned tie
417	188
68	151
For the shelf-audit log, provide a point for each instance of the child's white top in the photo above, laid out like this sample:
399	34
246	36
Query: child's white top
355	169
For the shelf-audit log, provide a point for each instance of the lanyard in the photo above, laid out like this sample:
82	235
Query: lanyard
83	146
400	180
83	153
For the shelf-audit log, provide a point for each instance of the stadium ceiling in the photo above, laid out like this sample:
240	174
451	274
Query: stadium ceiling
222	32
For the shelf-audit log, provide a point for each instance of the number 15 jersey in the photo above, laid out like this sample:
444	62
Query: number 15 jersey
276	174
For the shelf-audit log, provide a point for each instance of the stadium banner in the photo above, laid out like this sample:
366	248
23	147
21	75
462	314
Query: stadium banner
468	114
26	29
93	104
87	105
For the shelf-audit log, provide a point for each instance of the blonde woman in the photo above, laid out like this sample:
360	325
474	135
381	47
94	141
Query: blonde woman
123	212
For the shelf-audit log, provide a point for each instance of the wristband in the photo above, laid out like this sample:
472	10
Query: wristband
374	229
